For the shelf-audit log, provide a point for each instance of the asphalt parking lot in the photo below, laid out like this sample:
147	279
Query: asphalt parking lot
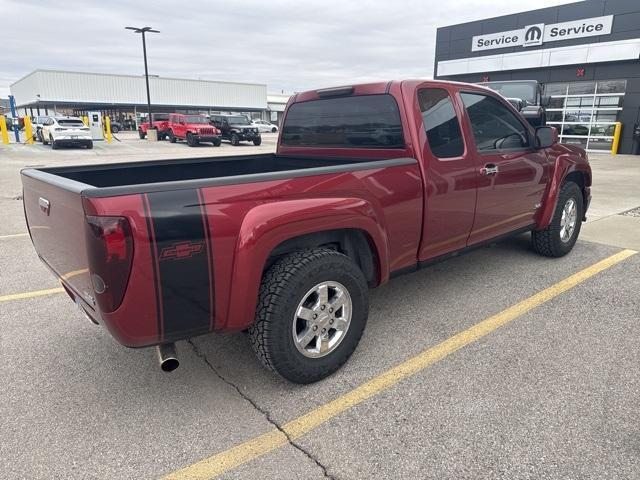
489	365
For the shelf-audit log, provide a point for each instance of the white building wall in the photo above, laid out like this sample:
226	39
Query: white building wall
57	86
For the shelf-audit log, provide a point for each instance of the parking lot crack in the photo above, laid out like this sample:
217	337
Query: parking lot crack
258	408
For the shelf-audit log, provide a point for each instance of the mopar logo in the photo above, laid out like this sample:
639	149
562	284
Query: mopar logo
533	35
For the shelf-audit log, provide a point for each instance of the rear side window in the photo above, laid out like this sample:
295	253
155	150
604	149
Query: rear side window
70	123
440	123
369	121
494	126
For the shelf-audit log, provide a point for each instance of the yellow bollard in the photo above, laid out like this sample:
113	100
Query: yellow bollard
85	120
616	138
28	129
3	130
107	124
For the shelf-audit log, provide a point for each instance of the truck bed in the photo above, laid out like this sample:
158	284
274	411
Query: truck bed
149	176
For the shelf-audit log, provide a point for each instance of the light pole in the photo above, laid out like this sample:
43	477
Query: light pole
144	30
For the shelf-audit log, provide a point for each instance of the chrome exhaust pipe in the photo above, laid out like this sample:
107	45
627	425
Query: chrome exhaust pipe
167	357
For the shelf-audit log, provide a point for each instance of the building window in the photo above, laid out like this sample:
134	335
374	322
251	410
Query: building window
585	113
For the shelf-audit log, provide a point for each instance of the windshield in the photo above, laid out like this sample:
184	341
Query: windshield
196	119
523	91
238	120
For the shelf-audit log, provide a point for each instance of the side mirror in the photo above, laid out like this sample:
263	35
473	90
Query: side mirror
546	136
545	100
517	103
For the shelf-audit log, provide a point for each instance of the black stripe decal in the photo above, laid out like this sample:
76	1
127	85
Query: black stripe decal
183	262
154	262
207	237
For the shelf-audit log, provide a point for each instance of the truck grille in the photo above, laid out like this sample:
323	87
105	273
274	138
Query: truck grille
206	131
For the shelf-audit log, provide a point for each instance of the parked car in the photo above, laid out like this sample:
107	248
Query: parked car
160	123
264	126
194	129
37	124
116	126
286	245
236	129
69	131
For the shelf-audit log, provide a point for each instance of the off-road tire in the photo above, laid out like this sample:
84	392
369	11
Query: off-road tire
172	137
216	143
192	142
141	134
257	142
235	139
283	287
547	242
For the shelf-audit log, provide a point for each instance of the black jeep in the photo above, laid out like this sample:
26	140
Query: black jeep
236	129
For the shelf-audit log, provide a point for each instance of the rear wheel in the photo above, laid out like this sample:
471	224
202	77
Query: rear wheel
274	130
44	140
257	141
54	144
89	145
235	139
560	236
114	129
172	137
312	310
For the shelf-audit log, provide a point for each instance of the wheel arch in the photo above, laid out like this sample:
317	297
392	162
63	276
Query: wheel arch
269	231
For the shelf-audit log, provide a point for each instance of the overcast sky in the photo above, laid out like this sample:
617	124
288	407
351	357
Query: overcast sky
290	45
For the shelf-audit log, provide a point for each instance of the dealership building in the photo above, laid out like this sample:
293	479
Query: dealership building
45	92
585	54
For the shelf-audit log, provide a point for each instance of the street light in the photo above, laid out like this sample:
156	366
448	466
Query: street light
144	30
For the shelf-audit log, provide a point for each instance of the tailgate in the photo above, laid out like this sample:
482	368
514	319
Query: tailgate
56	222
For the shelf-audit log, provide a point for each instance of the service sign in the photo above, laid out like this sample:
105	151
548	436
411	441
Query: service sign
533	35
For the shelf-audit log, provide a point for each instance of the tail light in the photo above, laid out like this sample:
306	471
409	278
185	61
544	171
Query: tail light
110	248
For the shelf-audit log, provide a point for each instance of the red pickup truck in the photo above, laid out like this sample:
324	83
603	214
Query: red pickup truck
160	123
192	128
368	181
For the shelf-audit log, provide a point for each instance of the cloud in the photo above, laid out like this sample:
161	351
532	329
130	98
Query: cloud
289	45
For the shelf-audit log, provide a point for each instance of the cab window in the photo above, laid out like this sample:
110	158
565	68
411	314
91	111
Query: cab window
494	126
440	123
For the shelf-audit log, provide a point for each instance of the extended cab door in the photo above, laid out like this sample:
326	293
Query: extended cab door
511	174
449	172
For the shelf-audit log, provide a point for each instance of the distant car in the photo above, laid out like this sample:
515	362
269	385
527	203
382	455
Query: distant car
264	126
236	129
59	131
116	126
37	124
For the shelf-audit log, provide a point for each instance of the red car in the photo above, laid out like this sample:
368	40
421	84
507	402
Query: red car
368	181
194	129
160	122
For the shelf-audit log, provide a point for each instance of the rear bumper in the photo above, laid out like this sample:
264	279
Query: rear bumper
73	141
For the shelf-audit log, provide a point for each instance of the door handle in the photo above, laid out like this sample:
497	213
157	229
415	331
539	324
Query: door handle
489	169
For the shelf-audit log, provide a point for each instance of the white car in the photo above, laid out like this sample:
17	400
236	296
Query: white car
264	126
59	131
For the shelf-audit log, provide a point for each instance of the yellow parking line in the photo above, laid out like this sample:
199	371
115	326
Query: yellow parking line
222	462
14	235
35	293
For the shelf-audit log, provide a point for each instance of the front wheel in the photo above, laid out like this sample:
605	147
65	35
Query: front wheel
312	310
560	236
217	142
115	129
257	141
235	139
192	142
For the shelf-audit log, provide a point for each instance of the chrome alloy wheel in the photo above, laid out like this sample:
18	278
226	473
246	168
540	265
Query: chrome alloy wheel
568	220
322	319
